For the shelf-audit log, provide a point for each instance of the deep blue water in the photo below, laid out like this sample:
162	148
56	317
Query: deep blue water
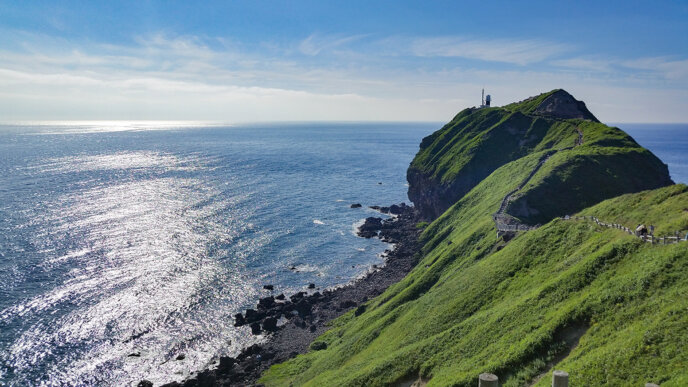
669	142
124	238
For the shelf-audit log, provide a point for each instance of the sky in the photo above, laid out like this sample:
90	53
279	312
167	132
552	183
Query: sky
248	61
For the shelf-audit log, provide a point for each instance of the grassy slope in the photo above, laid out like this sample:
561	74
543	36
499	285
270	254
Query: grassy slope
608	164
477	142
474	304
469	307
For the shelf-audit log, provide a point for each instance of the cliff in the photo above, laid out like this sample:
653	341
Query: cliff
575	294
476	142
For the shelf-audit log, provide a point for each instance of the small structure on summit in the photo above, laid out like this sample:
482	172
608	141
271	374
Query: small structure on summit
485	100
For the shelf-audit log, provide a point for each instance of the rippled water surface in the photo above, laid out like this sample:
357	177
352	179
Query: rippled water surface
130	238
669	142
120	239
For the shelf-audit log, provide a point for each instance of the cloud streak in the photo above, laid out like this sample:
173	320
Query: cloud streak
319	77
519	52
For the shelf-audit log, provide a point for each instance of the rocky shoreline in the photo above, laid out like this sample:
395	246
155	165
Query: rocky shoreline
293	323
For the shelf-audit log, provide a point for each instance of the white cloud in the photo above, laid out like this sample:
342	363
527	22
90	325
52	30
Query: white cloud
520	52
161	77
314	44
668	68
598	65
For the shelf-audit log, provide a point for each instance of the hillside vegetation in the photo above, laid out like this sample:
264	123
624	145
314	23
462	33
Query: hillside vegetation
476	142
571	295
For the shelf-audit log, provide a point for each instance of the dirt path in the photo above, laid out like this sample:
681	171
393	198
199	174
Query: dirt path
507	223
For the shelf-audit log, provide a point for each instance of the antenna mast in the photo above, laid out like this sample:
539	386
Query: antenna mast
482	99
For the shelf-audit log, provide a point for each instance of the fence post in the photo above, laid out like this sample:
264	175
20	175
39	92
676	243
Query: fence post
488	380
560	379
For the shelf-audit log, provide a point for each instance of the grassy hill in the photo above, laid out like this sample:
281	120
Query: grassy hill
476	142
596	302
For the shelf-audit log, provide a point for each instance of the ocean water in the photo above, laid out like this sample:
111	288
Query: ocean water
669	142
123	238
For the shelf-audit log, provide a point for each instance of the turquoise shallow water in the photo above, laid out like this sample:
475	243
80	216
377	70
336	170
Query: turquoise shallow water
121	238
117	239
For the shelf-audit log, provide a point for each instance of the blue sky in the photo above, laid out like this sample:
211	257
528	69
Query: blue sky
327	60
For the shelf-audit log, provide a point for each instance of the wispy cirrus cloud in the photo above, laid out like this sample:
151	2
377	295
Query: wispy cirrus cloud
315	44
670	69
514	51
319	77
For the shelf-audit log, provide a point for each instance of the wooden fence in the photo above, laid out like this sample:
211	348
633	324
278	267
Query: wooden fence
649	238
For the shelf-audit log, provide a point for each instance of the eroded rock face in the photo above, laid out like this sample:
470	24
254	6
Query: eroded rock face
562	105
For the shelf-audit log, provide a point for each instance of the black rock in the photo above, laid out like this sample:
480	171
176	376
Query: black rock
270	324
206	378
181	356
394	209
347	304
255	349
303	307
266	302
145	383
253	316
255	328
313	328
370	227
239	320
268	287
359	311
226	363
280	297
311	286
356	205
134	354
296	297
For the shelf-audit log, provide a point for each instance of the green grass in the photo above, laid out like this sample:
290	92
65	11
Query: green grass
477	142
469	307
596	302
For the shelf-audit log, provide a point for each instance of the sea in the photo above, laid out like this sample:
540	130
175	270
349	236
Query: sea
124	245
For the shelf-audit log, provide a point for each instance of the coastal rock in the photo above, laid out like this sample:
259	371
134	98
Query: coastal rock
370	227
356	205
226	363
145	383
239	320
270	324
307	314
311	286
347	304
266	302
268	287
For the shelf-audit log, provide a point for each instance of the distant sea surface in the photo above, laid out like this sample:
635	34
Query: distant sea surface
125	245
669	142
144	239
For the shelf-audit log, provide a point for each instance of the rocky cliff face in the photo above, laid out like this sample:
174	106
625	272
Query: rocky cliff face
562	105
477	142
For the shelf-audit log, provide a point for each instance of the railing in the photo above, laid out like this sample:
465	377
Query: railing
649	238
501	215
559	379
